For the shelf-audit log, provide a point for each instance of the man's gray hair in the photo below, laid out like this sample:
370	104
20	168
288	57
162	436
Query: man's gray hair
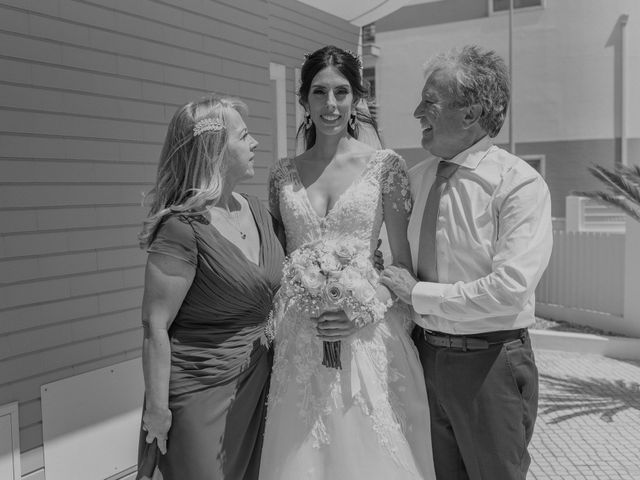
479	77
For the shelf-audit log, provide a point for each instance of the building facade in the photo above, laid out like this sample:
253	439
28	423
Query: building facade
575	67
87	88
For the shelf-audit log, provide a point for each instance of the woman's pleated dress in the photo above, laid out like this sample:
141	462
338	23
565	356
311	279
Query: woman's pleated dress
220	363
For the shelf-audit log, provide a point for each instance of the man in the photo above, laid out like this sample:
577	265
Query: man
479	245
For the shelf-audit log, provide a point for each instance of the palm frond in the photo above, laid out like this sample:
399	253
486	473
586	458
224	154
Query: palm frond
633	171
631	184
618	182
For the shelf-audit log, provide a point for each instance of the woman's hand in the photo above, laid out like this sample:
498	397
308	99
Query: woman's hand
156	422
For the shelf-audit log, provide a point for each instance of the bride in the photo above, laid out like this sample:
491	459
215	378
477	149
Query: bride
369	418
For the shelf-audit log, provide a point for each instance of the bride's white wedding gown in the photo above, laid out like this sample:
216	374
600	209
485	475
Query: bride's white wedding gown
369	420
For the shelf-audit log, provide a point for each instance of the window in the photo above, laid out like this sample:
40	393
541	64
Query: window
369	81
536	161
369	33
496	6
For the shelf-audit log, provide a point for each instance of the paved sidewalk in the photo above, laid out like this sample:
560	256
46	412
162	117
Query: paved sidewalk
588	423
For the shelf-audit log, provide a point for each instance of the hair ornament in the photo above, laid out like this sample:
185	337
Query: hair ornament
207	125
355	57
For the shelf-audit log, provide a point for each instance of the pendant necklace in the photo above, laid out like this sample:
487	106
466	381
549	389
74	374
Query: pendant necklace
227	217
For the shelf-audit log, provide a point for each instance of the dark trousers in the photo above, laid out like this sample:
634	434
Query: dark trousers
483	407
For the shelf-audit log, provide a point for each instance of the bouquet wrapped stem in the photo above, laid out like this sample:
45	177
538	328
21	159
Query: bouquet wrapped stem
331	350
331	354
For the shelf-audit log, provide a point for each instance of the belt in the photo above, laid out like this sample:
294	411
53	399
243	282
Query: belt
480	341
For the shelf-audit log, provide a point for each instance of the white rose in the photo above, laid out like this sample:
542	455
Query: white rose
333	293
350	277
312	279
363	291
362	263
345	252
329	262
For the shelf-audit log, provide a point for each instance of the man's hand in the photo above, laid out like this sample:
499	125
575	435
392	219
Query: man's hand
399	281
334	326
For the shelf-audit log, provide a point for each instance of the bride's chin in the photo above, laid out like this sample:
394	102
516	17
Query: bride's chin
331	131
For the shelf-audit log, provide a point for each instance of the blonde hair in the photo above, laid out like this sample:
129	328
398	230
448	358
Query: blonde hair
191	169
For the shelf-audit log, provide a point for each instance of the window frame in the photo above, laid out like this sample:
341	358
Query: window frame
515	9
542	158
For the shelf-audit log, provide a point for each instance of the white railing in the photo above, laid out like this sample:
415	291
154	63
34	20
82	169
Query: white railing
589	215
586	272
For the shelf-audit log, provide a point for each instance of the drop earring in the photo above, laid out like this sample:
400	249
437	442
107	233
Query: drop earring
308	123
352	121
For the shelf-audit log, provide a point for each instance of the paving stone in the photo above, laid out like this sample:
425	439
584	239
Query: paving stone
588	423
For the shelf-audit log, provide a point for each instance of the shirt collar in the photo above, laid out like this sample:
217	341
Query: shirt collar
472	156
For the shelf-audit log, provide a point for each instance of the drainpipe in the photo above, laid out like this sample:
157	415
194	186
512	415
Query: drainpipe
623	90
512	142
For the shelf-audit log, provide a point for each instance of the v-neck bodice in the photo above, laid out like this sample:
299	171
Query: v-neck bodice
357	212
295	171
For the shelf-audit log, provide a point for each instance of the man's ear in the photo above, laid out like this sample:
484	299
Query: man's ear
472	115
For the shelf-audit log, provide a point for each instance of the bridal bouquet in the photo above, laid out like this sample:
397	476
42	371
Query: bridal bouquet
334	274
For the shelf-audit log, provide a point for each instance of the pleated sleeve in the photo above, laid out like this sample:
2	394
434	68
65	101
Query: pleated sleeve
175	237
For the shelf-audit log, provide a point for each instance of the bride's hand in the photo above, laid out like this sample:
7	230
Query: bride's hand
334	325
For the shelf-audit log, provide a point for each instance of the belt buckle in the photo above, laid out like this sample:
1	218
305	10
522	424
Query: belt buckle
426	333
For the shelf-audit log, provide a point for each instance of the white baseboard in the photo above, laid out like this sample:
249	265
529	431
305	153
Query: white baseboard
589	318
615	347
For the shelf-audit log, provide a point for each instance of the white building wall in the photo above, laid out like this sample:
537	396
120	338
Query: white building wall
566	70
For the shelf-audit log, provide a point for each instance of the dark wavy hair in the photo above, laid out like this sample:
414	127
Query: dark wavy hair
348	64
478	77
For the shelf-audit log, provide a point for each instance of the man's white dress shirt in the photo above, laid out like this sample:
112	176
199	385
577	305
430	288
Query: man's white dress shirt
493	240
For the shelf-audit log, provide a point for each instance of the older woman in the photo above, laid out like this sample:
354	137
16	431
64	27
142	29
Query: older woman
214	264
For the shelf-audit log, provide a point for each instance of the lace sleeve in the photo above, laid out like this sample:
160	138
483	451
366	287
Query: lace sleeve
276	175
396	204
395	184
